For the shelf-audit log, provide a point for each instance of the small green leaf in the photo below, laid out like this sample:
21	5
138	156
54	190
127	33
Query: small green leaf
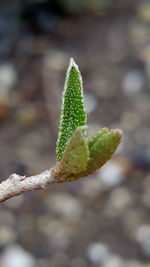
75	157
73	111
104	145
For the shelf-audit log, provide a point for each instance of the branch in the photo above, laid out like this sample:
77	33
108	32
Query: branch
16	184
75	163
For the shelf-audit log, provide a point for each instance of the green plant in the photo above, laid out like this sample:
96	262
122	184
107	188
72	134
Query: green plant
77	154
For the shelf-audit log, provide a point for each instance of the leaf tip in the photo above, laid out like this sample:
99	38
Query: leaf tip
118	132
73	64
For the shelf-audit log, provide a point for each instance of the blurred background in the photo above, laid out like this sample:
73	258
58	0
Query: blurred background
103	220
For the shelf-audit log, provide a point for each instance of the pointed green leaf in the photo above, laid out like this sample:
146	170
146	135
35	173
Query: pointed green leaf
73	112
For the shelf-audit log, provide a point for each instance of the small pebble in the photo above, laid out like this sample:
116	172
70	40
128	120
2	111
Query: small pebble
16	256
133	82
111	174
8	78
98	253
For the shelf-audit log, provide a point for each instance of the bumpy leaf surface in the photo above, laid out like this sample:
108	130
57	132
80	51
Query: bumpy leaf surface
73	112
102	146
75	157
